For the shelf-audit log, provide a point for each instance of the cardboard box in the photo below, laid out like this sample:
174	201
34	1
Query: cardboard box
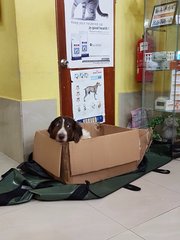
110	152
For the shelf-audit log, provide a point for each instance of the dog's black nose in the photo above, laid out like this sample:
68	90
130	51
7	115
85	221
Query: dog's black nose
61	136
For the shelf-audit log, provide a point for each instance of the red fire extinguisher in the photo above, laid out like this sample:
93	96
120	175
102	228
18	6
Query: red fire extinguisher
144	46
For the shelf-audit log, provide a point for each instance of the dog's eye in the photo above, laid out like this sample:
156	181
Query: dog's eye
68	126
57	124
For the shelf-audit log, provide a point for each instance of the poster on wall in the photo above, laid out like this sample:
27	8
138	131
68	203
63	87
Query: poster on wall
89	33
87	88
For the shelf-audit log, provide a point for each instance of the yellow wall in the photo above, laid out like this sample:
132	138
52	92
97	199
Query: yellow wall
129	28
36	29
37	49
28	59
9	67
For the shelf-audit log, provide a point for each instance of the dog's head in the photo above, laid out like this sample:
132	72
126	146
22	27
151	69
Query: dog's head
64	129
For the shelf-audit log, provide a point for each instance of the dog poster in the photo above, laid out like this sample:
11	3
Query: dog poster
89	33
87	88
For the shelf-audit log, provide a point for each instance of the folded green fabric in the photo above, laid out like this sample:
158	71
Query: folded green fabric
30	181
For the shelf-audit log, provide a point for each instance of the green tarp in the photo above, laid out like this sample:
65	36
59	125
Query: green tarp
20	186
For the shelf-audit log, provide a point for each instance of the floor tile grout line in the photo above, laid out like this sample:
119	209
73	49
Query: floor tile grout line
157	184
137	234
17	206
166	211
128	230
161	214
108	216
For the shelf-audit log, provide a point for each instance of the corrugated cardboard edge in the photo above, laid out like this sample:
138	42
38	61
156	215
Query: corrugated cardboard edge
99	175
145	136
44	157
65	172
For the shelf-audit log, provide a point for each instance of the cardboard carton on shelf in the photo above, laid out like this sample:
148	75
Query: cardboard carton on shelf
110	151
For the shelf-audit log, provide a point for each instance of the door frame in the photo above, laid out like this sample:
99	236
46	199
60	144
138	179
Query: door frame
64	73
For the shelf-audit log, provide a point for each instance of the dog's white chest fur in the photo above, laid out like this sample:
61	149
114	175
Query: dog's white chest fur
85	134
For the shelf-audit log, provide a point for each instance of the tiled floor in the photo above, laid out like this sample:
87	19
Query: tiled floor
151	214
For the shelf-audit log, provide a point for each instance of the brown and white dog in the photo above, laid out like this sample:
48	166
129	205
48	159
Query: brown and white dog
65	129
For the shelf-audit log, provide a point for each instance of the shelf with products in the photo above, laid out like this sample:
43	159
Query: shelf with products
162	28
161	91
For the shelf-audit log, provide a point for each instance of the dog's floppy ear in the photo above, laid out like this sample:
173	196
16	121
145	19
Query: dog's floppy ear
52	125
77	132
50	129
